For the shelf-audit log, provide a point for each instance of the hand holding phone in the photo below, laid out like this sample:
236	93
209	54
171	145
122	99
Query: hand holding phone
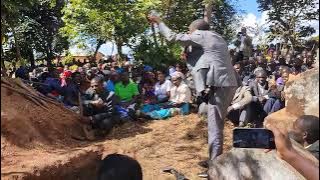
253	138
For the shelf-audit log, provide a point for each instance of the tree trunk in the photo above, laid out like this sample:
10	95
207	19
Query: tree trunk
49	59
293	43
17	47
154	35
31	58
3	67
208	12
161	41
100	42
112	49
119	47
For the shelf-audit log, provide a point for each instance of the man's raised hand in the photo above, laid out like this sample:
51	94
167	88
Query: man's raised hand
154	19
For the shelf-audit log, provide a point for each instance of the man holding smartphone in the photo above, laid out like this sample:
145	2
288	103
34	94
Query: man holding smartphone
244	45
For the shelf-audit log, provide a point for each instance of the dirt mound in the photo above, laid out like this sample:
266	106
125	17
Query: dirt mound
179	142
29	120
37	143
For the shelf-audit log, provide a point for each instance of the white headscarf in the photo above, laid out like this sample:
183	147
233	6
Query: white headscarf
177	75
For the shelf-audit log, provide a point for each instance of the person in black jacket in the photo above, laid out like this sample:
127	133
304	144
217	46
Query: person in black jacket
98	106
263	97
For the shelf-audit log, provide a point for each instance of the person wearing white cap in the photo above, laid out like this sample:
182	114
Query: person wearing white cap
179	92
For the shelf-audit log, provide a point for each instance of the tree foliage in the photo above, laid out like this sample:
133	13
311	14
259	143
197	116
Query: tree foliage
224	18
178	14
288	18
45	27
114	20
33	27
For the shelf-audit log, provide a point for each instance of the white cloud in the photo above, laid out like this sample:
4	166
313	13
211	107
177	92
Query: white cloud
109	48
256	27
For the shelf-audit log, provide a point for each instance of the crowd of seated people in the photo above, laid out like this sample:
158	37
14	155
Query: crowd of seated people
104	92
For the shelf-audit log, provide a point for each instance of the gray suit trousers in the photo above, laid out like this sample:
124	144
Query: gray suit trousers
220	99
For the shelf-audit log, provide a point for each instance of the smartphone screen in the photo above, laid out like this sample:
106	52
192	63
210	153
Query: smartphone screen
253	138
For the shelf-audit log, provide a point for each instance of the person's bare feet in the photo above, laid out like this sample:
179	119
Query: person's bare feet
89	132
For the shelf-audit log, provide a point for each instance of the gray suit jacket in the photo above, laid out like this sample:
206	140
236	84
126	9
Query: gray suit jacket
210	53
242	96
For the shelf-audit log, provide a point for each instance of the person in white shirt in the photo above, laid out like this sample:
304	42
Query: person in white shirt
162	88
180	97
180	93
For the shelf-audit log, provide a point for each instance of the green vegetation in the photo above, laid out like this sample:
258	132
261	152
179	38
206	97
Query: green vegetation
43	29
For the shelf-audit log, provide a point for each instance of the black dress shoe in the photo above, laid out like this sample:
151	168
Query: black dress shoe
204	164
203	175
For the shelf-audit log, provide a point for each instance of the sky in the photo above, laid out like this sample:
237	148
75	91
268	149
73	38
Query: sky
250	6
251	18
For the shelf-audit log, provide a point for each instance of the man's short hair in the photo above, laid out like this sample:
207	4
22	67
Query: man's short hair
261	73
238	63
200	24
119	167
97	79
310	124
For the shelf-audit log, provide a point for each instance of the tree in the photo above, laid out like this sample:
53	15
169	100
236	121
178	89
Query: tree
10	15
224	18
178	14
113	20
288	18
34	28
45	20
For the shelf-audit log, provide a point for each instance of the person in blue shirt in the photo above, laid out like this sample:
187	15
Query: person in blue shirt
110	84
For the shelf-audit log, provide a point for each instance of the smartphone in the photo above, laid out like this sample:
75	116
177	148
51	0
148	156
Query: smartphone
253	138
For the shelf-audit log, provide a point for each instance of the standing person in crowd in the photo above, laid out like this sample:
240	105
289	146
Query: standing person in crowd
244	45
212	71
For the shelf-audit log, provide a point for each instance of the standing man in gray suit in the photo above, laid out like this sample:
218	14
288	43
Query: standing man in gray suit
211	68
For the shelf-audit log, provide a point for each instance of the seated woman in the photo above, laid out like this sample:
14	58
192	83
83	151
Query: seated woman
147	88
162	88
180	97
